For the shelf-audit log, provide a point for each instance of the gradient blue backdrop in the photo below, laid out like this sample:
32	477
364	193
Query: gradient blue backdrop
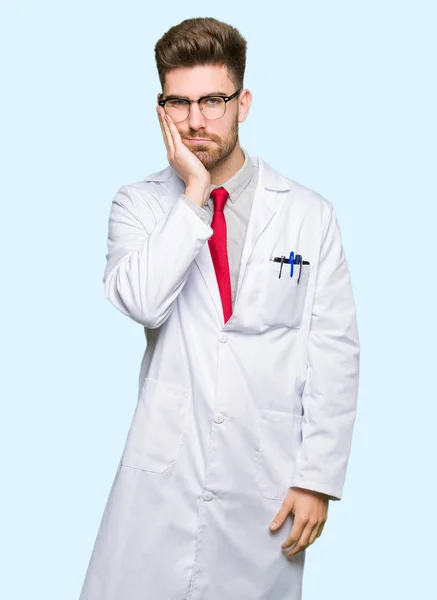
344	102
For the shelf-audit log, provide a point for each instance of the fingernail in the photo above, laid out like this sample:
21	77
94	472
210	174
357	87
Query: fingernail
273	525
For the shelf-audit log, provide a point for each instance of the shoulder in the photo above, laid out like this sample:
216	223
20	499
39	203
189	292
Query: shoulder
152	197
150	184
310	201
144	199
299	194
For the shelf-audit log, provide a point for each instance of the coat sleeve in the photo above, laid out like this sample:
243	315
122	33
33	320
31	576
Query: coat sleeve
149	259
200	211
331	388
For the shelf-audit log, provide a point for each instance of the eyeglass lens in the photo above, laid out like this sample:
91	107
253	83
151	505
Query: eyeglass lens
212	107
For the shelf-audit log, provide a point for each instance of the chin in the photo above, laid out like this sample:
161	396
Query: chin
203	151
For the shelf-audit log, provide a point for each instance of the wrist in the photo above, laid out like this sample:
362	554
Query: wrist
197	193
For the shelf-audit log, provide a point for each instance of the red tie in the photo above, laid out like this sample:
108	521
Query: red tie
218	249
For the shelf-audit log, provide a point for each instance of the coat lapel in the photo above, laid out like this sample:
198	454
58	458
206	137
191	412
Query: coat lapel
266	201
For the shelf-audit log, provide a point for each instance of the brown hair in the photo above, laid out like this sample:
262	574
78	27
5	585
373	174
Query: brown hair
202	41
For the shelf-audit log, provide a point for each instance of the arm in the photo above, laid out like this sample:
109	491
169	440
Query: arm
148	264
200	211
331	388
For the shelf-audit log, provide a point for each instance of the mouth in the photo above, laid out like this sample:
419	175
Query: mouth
198	140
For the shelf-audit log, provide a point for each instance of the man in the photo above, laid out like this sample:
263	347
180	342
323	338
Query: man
249	382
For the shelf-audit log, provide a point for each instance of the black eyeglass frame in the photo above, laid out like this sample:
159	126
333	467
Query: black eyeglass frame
190	102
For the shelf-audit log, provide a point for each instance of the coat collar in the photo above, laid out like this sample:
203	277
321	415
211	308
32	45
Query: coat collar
269	178
267	201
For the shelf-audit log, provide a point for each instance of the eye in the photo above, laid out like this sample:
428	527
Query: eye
177	102
213	100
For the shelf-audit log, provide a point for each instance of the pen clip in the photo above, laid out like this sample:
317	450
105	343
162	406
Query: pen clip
299	262
282	262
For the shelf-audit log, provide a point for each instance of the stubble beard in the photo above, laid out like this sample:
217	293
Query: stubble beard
219	151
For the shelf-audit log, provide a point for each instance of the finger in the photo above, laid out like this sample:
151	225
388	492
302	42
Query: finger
314	535
174	131
164	135
320	529
295	533
303	541
280	517
168	139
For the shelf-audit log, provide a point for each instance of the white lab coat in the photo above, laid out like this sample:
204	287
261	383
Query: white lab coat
228	416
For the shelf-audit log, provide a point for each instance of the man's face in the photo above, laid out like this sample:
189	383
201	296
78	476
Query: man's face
194	82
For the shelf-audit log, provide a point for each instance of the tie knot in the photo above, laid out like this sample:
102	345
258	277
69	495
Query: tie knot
219	196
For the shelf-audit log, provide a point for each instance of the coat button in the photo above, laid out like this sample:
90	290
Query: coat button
219	418
223	337
207	496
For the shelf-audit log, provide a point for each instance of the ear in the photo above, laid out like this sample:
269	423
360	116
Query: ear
158	97
244	103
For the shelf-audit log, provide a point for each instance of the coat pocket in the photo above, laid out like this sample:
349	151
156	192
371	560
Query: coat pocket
279	437
158	424
282	298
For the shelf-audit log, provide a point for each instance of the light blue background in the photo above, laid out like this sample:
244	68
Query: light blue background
344	102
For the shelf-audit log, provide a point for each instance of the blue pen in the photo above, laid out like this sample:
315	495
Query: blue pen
291	260
294	259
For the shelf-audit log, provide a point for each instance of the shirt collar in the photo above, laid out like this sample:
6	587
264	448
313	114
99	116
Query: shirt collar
239	181
270	179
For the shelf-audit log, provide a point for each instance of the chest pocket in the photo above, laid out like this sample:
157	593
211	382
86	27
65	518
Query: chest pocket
282	298
159	422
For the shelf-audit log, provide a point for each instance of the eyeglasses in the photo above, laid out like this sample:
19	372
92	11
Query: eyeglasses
212	107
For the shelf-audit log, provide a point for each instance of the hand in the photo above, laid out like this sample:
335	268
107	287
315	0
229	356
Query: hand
310	510
189	168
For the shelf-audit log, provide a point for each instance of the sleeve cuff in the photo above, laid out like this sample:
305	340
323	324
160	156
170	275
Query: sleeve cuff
332	493
200	212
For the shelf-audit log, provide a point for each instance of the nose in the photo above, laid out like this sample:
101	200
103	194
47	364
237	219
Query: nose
195	119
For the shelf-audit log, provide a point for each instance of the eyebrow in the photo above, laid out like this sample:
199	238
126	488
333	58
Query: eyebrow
216	93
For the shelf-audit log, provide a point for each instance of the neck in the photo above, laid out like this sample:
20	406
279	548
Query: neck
224	171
